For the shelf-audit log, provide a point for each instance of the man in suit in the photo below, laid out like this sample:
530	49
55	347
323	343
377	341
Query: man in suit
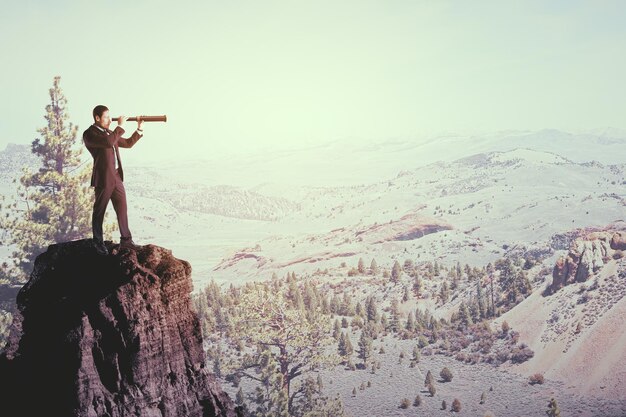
107	176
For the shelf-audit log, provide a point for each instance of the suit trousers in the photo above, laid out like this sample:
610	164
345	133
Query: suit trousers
117	194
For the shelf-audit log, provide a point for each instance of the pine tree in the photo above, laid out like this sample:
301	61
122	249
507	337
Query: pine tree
464	315
341	344
345	346
374	267
361	266
444	293
358	309
482	306
410	323
370	309
394	322
336	330
54	203
396	272
347	308
417	287
335	304
429	379
491	273
431	389
365	348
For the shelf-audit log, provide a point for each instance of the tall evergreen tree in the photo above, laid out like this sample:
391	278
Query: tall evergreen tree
374	267
370	309
405	295
394	322
54	204
365	348
396	272
410	323
417	286
345	346
361	266
444	293
429	379
464	315
336	329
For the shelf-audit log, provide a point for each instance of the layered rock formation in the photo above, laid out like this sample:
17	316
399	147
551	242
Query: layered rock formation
107	336
587	255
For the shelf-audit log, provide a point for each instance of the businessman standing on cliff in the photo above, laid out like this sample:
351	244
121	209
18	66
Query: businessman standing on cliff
107	176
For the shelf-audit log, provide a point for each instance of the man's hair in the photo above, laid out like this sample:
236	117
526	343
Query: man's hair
98	110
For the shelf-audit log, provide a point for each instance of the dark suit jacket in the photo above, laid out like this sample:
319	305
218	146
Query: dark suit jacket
102	148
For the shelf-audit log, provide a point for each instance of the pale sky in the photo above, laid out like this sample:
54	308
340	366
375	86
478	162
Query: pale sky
270	74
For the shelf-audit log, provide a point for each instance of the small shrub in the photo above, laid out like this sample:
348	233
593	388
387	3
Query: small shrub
405	403
444	405
505	327
456	405
418	401
536	379
521	355
446	374
502	356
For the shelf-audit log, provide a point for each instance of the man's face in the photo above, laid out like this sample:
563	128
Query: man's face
104	121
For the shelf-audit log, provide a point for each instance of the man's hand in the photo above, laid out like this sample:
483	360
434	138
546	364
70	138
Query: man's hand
121	120
139	122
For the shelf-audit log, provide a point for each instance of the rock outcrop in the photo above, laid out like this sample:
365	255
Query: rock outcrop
587	255
108	336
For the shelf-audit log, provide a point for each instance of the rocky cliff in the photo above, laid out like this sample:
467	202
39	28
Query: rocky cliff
107	336
587	255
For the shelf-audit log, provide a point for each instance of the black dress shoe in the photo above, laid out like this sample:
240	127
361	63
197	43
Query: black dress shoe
100	248
128	244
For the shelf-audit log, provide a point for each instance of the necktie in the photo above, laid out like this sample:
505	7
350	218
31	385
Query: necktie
117	155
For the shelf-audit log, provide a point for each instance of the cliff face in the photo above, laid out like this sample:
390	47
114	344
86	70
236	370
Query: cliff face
107	336
586	256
